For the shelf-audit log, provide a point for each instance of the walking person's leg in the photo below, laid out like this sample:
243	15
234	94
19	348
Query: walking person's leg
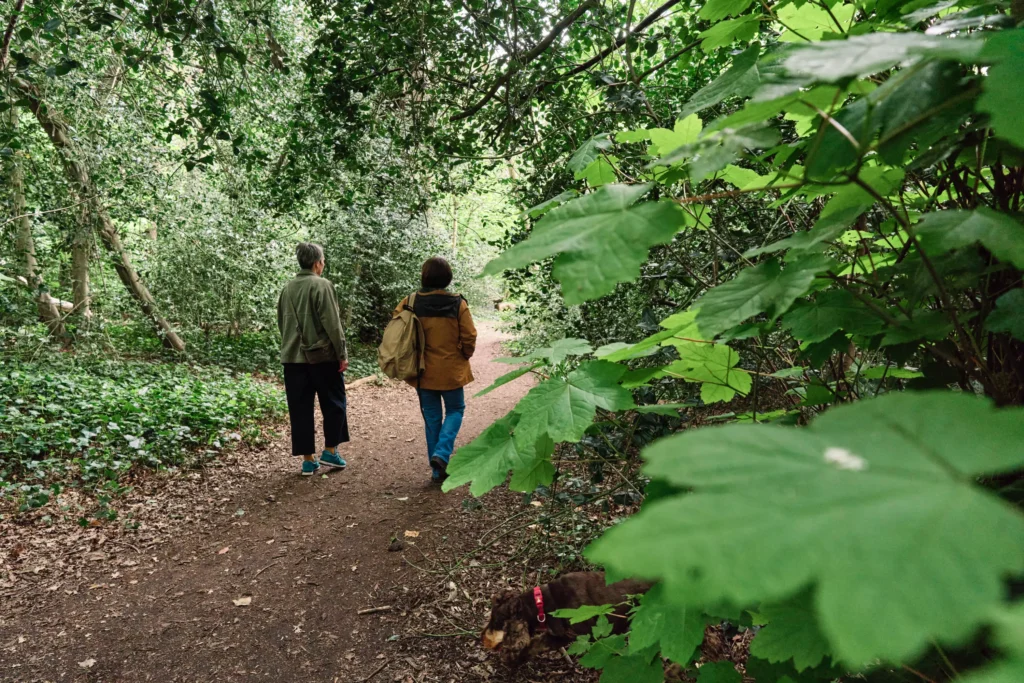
454	407
330	389
430	407
299	391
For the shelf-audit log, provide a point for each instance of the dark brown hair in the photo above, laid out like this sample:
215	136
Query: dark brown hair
436	273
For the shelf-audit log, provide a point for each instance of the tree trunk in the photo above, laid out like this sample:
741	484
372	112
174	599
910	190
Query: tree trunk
26	248
81	252
79	177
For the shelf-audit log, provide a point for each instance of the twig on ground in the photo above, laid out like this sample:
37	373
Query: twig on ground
264	569
565	655
374	610
375	671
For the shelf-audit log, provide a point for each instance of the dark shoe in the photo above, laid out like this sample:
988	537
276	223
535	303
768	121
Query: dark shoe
437	476
439	464
332	460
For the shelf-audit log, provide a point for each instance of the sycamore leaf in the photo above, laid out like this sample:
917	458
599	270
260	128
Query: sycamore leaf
681	325
943	231
633	669
677	630
599	172
741	80
669	409
1001	97
664	141
615	347
602	651
562	349
765	288
589	152
600	239
714	366
509	377
792	633
1004	671
726	32
719	672
638	135
583	613
810	23
838	309
565	408
716	10
825	505
831	61
932	325
1008	315
487	460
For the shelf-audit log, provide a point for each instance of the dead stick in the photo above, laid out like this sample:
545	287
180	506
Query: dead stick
568	659
375	672
264	569
374	610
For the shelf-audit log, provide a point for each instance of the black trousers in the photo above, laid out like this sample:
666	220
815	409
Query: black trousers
302	381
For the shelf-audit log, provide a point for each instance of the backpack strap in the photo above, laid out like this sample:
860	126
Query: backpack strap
411	303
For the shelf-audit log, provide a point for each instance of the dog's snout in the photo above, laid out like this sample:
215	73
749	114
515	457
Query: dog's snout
492	639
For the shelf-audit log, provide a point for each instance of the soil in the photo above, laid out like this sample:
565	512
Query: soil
246	571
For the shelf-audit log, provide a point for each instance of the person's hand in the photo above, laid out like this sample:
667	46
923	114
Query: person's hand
343	366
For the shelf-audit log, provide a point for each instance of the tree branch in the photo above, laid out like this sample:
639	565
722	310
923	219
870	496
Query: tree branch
519	63
619	42
5	48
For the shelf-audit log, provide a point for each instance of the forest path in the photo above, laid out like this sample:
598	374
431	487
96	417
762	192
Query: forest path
309	552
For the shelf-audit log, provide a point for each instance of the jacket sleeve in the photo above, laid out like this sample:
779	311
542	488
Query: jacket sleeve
330	318
280	313
467	331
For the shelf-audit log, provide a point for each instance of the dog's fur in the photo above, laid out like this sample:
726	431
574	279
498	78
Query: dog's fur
514	631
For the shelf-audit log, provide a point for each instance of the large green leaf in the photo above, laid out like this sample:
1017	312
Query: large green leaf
562	349
942	231
589	152
716	10
663	140
632	669
726	32
792	633
835	60
808	22
1002	97
600	239
765	288
719	672
741	80
487	460
875	504
681	325
678	630
1008	315
714	366
815	321
565	408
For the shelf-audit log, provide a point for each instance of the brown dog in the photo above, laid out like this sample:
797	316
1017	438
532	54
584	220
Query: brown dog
515	629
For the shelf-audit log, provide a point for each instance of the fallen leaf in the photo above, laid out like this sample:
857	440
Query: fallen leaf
270	541
405	498
242	602
412	534
224	550
87	664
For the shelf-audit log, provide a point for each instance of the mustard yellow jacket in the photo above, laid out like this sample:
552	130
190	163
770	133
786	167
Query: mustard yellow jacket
451	339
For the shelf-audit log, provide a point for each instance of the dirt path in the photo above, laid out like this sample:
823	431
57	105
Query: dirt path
307	555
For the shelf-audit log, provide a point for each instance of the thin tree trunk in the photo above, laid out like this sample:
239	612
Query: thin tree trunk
81	252
79	177
26	248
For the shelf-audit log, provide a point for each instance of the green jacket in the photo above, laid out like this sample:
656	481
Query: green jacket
312	298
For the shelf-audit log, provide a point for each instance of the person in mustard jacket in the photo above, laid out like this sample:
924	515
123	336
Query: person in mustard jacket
450	342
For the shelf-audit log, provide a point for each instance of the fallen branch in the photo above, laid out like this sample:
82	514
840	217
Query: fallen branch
375	672
374	610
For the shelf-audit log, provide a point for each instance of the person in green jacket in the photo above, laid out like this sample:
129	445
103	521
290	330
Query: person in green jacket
315	358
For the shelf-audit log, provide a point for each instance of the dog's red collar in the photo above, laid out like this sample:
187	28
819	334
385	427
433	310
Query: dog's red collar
538	599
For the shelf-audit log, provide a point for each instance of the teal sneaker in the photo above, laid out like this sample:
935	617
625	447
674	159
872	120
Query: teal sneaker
310	467
332	460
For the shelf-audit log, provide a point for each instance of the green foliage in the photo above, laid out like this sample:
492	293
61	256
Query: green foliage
601	239
824	505
93	420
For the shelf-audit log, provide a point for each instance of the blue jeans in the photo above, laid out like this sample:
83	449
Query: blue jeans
442	428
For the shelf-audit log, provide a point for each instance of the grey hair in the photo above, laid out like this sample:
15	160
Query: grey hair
308	254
